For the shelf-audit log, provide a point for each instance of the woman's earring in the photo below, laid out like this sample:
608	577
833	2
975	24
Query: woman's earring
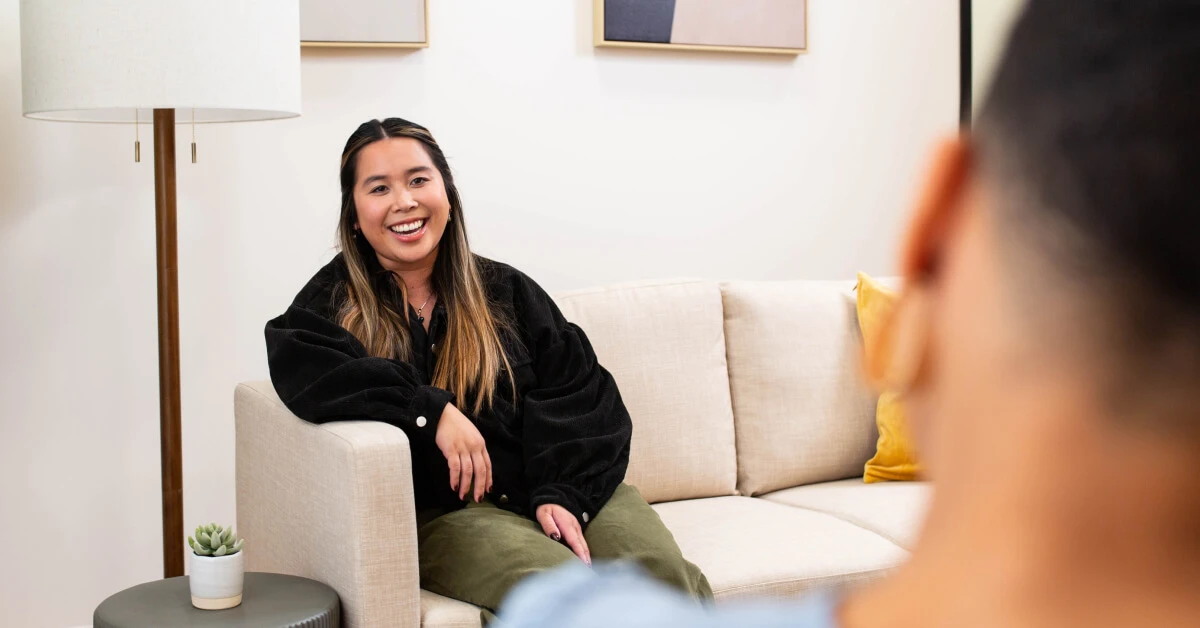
894	362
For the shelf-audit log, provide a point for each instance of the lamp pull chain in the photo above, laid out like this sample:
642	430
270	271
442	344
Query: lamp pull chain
193	135
137	141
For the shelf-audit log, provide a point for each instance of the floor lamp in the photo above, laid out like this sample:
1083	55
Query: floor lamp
172	62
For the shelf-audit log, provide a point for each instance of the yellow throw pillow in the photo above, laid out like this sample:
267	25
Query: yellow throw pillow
894	459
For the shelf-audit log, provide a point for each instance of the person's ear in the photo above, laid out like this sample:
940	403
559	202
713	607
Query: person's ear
939	204
900	353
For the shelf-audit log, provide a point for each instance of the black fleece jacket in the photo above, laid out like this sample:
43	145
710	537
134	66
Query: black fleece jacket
565	441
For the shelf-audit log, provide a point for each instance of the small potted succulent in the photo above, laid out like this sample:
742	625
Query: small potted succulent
217	568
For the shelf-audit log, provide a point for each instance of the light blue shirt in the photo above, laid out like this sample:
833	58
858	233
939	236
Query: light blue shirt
621	595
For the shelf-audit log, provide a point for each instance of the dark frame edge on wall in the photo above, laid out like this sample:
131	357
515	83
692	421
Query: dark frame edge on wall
964	64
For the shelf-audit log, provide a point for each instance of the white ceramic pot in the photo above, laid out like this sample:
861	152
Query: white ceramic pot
217	581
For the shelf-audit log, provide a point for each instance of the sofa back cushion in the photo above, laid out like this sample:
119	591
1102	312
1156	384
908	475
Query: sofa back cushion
802	412
664	343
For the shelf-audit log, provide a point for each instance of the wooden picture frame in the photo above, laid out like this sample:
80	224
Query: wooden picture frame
600	39
321	41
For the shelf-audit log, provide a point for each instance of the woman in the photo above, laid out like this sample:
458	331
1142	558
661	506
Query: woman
1047	345
506	409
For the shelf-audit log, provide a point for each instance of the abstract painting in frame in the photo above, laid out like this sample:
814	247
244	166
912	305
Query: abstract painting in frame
759	26
364	23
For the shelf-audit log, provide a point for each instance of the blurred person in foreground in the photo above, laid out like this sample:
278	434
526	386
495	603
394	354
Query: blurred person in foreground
1047	342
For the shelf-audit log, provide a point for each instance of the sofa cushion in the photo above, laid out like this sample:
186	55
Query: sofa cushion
438	611
803	413
664	343
894	510
752	547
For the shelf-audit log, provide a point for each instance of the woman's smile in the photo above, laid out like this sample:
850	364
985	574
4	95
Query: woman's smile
410	230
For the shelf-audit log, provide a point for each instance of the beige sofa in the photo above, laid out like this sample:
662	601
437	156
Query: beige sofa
751	428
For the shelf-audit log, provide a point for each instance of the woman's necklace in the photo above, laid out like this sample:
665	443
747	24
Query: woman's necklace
421	310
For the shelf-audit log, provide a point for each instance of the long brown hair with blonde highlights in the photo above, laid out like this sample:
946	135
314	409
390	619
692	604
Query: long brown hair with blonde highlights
375	307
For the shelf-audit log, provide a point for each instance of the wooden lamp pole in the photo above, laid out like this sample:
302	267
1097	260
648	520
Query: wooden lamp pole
168	342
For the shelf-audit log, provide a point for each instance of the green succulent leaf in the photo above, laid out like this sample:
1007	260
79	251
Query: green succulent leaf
212	537
237	547
221	551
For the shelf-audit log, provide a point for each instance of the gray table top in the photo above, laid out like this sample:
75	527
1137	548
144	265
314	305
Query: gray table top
269	600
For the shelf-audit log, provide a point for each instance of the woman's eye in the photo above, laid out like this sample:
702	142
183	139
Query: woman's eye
379	189
419	181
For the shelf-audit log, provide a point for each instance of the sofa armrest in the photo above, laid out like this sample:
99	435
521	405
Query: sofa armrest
330	502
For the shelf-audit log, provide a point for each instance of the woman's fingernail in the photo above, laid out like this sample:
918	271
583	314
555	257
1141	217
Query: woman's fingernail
556	536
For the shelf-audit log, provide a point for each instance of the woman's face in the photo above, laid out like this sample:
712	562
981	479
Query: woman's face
401	203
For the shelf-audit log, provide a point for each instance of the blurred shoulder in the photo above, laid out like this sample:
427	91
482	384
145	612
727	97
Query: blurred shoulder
624	595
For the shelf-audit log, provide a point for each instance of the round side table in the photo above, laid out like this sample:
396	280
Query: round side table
270	600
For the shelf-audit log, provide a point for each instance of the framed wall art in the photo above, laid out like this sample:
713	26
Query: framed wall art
364	23
757	26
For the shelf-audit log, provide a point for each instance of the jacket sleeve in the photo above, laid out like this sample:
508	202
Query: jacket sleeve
576	429
323	373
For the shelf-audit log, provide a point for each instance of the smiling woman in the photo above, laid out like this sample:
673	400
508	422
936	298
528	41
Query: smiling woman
406	326
376	195
391	183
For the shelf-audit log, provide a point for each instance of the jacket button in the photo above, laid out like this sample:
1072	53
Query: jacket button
585	517
421	421
504	499
433	347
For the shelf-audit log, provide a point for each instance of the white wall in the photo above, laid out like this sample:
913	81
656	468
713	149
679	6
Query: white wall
580	166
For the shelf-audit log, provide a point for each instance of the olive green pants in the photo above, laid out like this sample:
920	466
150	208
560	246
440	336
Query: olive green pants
480	553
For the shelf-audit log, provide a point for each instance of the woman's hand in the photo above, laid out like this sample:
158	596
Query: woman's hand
559	524
465	451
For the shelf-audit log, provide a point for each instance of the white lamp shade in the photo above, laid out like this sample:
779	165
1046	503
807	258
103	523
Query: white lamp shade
100	60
